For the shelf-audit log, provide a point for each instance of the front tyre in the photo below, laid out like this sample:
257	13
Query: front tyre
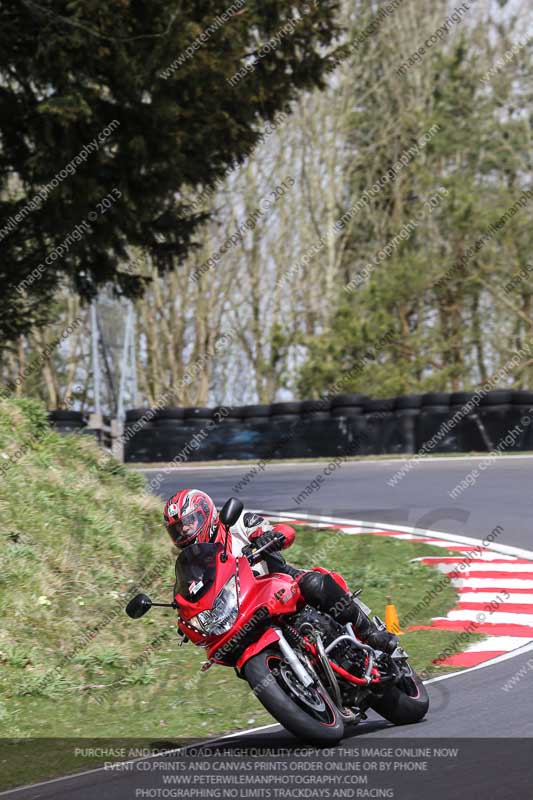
307	713
405	702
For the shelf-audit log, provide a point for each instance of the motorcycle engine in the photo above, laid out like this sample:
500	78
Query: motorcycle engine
325	625
344	654
349	658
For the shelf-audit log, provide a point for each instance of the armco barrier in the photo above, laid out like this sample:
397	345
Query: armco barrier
350	424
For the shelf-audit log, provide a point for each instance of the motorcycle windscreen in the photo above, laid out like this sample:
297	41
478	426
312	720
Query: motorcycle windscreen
196	568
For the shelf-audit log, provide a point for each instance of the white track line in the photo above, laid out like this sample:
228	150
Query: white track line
472	568
477	559
451	538
496	617
520	584
502	644
487	597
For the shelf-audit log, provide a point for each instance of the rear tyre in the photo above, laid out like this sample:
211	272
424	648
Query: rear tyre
307	713
405	702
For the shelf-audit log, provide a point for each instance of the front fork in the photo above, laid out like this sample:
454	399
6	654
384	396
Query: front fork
307	675
303	675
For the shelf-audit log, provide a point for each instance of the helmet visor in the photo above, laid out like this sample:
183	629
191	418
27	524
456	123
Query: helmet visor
187	528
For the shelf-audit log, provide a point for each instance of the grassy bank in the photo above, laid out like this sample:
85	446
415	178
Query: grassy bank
78	537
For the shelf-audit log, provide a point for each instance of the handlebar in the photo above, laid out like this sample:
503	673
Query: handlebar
252	553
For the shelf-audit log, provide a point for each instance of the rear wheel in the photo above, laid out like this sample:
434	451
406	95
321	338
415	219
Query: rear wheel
405	702
308	712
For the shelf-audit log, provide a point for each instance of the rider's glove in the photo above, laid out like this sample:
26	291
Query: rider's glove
288	533
266	538
282	530
254	536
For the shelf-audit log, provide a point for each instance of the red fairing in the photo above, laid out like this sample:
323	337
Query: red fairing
278	593
288	532
269	637
335	575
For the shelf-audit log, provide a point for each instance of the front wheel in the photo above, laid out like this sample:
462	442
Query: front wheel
405	702
308	712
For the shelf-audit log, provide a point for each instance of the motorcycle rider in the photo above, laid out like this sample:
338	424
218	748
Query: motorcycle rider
191	517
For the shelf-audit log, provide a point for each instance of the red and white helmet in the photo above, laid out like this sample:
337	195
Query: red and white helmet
190	514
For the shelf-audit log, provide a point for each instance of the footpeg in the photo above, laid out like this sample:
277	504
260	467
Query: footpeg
399	653
351	717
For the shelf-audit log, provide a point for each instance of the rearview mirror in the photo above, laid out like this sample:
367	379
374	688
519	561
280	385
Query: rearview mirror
231	511
138	606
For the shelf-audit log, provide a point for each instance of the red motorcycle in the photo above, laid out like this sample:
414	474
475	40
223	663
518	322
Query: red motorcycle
310	672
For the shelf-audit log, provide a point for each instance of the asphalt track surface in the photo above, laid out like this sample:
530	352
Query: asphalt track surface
472	704
503	495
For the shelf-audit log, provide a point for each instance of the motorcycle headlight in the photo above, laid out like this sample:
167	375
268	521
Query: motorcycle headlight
222	615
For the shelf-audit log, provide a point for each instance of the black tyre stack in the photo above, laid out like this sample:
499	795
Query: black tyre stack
254	431
287	429
494	412
329	427
318	431
432	435
407	410
349	434
382	431
143	441
522	414
467	432
348	424
67	421
236	437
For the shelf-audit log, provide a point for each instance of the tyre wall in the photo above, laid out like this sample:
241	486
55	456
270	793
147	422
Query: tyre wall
345	425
